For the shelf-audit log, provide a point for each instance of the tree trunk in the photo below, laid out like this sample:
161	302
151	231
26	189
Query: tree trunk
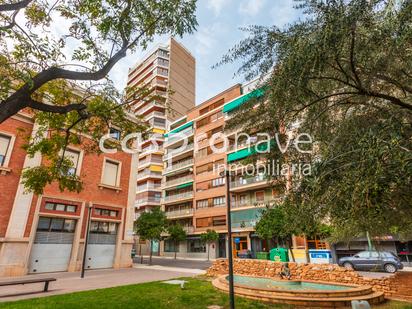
208	250
151	252
175	249
291	251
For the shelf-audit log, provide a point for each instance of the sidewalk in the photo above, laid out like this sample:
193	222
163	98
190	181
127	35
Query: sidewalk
94	279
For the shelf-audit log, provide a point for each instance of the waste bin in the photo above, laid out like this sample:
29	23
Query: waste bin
320	256
279	255
262	255
133	253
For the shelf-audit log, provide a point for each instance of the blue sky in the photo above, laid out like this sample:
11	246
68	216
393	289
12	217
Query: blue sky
218	30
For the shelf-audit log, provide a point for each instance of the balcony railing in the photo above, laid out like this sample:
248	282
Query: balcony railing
178	165
148	173
178	180
149	186
178	196
247	181
189	229
179	213
252	202
151	200
151	105
174	152
178	136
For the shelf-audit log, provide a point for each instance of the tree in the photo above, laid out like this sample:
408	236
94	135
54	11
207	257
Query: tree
150	226
342	75
209	237
176	234
273	223
56	65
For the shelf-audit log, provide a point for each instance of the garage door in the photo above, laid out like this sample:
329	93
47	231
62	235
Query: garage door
52	245
102	245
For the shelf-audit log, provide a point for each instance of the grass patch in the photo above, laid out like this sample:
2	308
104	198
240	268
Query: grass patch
198	294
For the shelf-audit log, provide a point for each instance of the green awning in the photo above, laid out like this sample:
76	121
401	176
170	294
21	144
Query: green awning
181	128
184	185
246	152
241	154
228	107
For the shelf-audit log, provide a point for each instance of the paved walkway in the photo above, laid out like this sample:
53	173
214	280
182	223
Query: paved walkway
179	262
94	279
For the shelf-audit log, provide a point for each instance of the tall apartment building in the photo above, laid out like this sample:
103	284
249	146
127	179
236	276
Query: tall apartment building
46	233
168	74
194	193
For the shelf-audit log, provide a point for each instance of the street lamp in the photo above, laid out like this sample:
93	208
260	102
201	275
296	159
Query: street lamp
86	241
229	235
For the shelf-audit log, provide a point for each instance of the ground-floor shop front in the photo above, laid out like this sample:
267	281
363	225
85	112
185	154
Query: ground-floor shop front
55	239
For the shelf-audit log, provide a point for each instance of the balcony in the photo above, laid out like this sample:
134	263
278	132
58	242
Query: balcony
149	106
172	138
254	203
150	149
146	201
247	183
178	197
178	181
178	151
148	174
148	186
178	165
189	229
179	213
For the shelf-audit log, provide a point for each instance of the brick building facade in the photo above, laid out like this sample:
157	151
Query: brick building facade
47	233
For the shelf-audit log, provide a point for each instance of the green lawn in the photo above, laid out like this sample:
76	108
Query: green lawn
198	294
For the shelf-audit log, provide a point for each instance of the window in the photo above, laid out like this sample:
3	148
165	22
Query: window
98	227
216	116
217	201
56	225
110	173
170	246
218	182
116	134
4	147
106	212
60	207
202	186
195	245
260	196
202	153
202	204
203	222
219	221
364	254
73	156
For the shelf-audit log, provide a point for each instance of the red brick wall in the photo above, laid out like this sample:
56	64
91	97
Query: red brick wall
10	181
90	173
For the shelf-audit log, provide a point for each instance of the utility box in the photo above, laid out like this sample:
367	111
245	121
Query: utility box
262	255
320	256
279	255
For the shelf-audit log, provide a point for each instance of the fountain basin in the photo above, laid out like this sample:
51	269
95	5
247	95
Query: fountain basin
299	292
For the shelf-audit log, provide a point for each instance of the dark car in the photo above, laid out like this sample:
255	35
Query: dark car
372	260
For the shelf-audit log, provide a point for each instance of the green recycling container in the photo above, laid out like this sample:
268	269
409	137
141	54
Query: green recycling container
279	255
262	255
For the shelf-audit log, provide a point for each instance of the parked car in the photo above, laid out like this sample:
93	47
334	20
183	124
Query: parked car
372	260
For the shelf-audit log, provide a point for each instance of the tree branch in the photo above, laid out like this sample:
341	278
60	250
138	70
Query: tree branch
58	109
14	6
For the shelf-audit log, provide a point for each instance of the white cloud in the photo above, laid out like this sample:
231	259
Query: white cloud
251	7
206	38
217	5
284	13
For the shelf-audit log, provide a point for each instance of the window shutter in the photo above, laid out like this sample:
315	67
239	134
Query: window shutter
4	145
110	173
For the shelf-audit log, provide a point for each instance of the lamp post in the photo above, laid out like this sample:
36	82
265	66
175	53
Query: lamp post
229	235
86	241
